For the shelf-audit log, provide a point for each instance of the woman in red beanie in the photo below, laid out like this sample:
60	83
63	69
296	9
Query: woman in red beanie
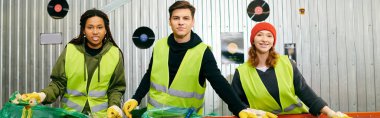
270	82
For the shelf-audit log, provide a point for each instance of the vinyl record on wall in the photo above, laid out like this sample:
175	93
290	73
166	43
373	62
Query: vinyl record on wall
258	10
143	37
58	9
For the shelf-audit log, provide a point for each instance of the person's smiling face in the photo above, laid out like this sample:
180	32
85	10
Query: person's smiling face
263	41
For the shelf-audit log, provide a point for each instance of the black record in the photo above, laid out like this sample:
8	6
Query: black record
58	9
258	10
143	37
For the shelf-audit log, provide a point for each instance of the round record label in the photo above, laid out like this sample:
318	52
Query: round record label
143	37
58	9
258	10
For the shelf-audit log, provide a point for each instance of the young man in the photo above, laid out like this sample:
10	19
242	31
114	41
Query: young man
179	67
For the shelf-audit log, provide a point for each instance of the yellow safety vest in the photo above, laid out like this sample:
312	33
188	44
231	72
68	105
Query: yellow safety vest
185	91
76	95
258	96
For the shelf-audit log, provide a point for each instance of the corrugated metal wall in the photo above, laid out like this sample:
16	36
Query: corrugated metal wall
337	43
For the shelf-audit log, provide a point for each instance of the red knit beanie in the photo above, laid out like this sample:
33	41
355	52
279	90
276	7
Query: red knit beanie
263	26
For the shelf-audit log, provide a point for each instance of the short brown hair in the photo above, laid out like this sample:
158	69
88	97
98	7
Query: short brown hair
181	5
254	60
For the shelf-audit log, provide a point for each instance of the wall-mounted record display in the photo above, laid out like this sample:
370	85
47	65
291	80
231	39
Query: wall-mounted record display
232	47
143	37
258	10
58	9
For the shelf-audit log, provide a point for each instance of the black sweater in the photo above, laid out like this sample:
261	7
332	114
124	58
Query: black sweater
209	70
302	90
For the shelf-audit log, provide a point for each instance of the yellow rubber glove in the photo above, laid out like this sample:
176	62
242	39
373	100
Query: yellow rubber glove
267	115
114	112
262	114
38	97
338	114
129	106
247	114
271	115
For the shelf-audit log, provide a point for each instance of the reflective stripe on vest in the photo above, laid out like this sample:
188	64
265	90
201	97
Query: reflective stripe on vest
99	107
158	105
184	91
97	93
177	93
290	108
76	95
78	107
71	104
256	91
91	93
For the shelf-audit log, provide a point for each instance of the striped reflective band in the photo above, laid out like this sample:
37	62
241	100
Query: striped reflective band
158	87
276	111
72	104
177	92
291	107
97	93
91	93
99	107
75	93
159	105
79	108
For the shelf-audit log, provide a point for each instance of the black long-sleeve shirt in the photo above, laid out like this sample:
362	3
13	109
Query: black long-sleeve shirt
302	90
209	70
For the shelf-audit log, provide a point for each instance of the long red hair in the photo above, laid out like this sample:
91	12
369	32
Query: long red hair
253	59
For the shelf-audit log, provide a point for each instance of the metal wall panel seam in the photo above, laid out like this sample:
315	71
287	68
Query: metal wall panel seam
368	55
332	60
126	52
34	58
17	43
359	49
323	51
1	49
351	68
26	47
42	64
9	48
341	57
376	38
